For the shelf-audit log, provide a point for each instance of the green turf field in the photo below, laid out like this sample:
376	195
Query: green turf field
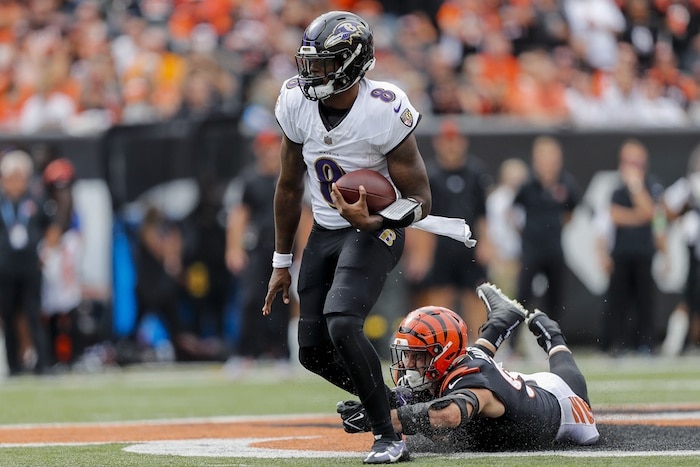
206	390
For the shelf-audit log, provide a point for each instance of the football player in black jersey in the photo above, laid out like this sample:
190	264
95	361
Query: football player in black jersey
459	397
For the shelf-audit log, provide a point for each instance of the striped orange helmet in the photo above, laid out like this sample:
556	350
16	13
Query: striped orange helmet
426	345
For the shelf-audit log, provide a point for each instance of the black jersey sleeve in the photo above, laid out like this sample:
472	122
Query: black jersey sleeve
531	415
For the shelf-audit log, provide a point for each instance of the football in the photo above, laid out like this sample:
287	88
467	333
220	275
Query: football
380	191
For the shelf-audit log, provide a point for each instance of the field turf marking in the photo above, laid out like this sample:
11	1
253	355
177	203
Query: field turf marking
314	436
250	448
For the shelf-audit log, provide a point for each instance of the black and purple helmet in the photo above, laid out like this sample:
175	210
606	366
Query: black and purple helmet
335	53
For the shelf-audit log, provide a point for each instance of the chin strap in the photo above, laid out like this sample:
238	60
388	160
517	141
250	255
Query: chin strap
322	91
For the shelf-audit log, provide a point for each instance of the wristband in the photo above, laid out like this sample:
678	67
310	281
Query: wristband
414	418
281	260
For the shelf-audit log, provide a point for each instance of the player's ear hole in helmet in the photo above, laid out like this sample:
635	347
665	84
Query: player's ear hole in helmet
429	340
336	51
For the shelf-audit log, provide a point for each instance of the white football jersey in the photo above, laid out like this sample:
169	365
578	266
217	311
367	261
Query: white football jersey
379	120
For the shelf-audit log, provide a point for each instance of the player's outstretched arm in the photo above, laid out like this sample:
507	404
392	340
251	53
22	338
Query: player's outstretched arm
289	195
448	412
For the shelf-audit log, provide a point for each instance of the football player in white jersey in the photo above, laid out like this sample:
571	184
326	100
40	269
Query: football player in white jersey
336	121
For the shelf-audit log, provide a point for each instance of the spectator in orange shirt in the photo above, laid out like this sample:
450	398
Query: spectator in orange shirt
9	95
53	102
538	96
163	69
11	16
494	71
188	14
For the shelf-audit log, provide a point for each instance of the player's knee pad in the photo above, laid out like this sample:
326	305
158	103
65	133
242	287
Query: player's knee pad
312	332
342	326
306	357
314	359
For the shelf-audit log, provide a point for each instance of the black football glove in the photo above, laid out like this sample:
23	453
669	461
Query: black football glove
400	396
354	416
403	395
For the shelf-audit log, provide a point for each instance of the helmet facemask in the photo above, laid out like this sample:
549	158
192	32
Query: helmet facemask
414	366
321	75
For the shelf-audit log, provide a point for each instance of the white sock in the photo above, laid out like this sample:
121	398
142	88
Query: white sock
558	348
292	341
676	331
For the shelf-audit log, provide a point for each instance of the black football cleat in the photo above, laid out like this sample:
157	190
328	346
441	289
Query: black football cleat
504	314
387	452
545	329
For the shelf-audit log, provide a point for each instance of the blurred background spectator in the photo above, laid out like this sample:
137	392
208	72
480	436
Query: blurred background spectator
82	66
24	224
546	201
681	201
594	26
249	245
504	225
61	256
627	255
160	289
207	282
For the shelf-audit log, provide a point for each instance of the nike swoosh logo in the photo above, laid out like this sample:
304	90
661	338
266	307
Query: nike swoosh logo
352	421
483	298
453	383
397	108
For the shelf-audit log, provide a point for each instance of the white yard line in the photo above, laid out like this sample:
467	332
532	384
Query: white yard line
241	447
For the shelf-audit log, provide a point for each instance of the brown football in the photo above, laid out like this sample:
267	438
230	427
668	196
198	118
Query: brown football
380	192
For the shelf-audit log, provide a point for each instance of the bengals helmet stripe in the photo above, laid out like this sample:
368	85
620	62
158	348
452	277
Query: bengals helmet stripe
436	320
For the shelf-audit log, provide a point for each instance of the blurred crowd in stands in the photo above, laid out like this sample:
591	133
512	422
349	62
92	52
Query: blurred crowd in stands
80	66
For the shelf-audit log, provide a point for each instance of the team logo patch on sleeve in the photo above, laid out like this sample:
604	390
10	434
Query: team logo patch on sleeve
407	118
